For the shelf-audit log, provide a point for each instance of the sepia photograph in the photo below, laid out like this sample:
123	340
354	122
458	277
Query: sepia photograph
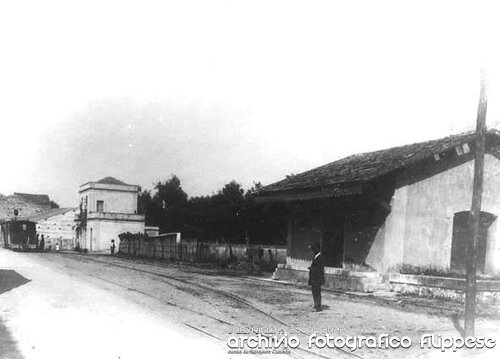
238	179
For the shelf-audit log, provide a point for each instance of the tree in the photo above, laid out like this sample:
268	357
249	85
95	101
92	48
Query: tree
231	214
202	219
53	204
265	221
257	186
230	204
147	206
173	202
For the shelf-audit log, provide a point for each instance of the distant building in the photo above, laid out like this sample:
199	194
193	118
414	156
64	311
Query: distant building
152	230
108	208
26	204
57	226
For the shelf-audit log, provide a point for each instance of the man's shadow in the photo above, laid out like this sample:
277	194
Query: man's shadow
455	318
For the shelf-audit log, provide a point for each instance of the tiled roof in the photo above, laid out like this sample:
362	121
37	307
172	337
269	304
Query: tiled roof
34	198
368	166
111	180
49	213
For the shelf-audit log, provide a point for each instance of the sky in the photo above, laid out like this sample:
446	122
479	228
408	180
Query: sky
219	90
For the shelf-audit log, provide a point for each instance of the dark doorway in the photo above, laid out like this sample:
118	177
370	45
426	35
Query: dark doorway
332	243
462	238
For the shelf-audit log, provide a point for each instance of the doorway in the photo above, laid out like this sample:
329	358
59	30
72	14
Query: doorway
91	239
332	242
462	238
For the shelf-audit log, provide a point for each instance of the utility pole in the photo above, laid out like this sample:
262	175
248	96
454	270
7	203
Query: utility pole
475	213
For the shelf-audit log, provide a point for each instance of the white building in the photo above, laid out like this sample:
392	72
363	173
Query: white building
57	226
108	207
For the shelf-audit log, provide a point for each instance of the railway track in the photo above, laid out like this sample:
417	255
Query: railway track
362	298
401	302
222	323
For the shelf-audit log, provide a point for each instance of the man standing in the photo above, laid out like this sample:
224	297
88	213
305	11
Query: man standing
112	247
316	276
42	243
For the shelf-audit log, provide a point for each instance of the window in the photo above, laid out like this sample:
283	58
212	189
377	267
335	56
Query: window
100	206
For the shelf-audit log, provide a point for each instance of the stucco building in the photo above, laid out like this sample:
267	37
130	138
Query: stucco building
108	207
404	207
57	226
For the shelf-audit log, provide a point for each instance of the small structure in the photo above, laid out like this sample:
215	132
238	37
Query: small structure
403	208
108	207
18	234
57	226
152	231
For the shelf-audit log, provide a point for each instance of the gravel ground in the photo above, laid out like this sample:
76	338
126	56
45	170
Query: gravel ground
113	307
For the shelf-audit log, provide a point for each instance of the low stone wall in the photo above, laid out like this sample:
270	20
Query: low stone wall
443	287
335	278
419	285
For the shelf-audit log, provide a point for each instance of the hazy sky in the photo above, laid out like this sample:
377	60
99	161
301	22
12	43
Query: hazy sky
220	90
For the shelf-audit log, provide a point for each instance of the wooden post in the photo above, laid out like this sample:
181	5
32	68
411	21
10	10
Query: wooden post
475	213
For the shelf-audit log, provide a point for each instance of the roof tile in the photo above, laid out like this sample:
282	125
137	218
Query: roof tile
368	166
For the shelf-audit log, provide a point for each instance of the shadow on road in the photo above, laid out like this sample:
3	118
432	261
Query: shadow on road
8	347
10	279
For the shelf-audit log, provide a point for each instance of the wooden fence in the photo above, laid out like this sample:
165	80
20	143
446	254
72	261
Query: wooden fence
170	247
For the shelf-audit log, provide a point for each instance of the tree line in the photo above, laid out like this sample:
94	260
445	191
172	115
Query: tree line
231	215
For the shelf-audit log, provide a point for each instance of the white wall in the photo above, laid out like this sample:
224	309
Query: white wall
59	228
104	231
419	229
114	201
387	249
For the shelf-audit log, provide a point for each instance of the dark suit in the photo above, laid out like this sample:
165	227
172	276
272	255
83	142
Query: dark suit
317	279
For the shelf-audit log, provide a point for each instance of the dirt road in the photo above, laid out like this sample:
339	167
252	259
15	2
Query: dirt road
72	305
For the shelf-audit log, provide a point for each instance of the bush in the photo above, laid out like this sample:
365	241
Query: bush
127	236
358	267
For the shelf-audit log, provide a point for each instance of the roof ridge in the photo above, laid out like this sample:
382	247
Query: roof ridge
111	180
366	166
466	133
49	213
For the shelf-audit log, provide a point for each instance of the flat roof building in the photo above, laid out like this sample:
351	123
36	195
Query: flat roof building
108	208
